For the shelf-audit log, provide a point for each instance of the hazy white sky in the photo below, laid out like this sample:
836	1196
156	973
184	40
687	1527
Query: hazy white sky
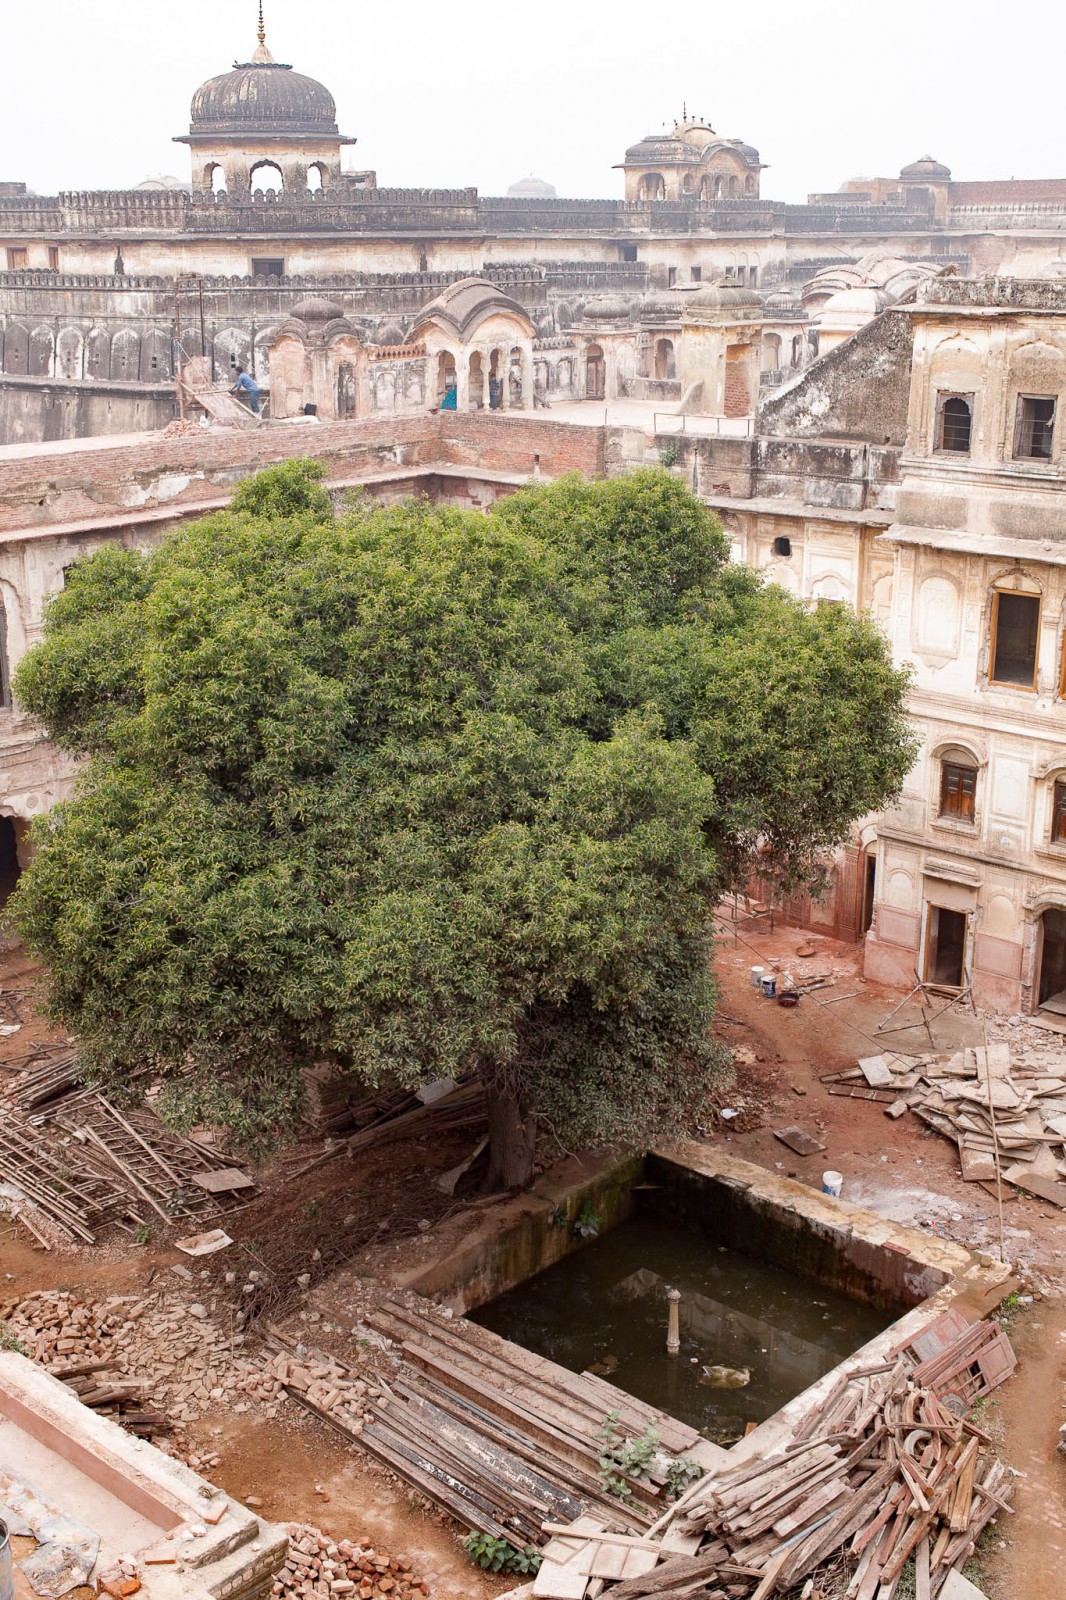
483	93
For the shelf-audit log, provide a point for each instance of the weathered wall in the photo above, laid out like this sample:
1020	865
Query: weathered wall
860	390
42	409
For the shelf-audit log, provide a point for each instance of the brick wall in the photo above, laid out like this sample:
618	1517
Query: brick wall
88	479
1009	191
510	442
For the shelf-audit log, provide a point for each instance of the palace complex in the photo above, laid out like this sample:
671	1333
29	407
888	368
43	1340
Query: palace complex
869	389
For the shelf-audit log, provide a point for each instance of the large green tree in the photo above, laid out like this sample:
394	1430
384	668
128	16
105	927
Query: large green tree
420	791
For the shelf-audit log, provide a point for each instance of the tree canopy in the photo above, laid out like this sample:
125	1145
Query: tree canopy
419	791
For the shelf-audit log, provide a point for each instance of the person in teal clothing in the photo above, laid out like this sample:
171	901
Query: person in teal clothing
448	403
248	386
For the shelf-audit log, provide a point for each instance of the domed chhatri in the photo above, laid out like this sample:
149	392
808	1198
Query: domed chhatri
927	169
532	189
263	121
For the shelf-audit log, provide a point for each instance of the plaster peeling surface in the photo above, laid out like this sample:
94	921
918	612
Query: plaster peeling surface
157	491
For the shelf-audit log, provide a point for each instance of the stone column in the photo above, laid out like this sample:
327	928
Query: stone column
526	370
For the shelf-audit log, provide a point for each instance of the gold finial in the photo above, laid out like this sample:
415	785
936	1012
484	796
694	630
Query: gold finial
262	25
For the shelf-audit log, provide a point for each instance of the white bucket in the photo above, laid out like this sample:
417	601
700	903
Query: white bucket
756	977
832	1183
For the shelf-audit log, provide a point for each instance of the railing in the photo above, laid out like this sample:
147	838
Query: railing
724	427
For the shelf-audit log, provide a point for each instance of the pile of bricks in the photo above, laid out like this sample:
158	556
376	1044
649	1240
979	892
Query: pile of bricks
188	1366
319	1379
319	1568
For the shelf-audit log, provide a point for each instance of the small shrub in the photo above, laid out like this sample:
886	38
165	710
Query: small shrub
9	1342
586	1223
621	1458
498	1555
679	1474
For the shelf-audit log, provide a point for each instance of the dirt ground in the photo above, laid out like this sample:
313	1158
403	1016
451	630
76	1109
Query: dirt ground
371	1217
905	1172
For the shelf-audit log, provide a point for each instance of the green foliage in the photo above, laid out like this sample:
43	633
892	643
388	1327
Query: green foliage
586	1224
10	1343
623	1459
680	1473
287	490
411	790
142	1234
498	1555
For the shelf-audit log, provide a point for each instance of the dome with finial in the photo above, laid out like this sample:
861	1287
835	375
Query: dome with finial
532	189
927	168
262	96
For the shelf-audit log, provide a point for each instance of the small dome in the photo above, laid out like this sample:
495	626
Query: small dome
722	300
783	300
661	149
164	181
532	189
607	308
317	309
262	96
666	305
391	333
853	305
927	169
696	132
748	151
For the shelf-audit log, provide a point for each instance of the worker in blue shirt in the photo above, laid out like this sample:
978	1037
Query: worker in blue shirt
248	386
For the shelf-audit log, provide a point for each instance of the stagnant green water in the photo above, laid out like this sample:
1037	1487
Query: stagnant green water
604	1309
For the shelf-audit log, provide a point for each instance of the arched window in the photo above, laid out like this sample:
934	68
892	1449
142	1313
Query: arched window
216	177
954	423
664	358
316	177
266	175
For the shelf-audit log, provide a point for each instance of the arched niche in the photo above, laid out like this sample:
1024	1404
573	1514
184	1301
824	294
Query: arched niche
937	617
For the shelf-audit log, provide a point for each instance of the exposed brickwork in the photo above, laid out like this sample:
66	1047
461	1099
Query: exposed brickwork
1011	191
510	443
42	488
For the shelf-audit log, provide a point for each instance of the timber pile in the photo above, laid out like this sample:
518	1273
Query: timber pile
318	1568
883	1472
496	1436
960	1094
83	1165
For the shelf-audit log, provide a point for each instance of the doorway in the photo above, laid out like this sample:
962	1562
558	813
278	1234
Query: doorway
595	373
945	947
1052	990
869	886
9	860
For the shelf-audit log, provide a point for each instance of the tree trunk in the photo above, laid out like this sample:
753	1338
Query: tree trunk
512	1142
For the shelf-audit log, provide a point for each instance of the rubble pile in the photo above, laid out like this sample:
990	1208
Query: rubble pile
319	1569
186	1365
990	1101
322	1383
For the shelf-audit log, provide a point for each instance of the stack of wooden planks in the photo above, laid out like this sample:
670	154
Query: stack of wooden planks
105	1388
881	1475
503	1439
